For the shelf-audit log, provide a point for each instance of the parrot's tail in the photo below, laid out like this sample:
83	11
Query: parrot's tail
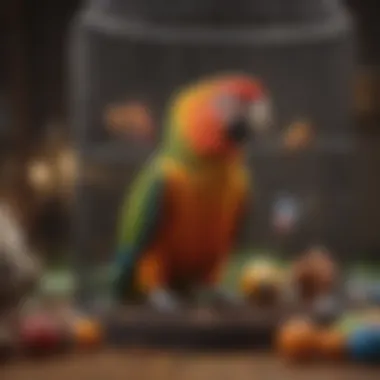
123	287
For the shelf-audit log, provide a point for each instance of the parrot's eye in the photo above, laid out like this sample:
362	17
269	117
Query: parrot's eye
260	115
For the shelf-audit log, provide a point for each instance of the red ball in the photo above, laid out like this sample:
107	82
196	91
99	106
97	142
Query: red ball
40	333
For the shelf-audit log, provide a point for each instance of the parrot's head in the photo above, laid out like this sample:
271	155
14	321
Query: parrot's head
214	118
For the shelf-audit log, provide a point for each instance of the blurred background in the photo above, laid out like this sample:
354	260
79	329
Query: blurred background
63	62
75	76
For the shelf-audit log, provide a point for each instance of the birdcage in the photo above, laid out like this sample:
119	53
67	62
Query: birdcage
129	55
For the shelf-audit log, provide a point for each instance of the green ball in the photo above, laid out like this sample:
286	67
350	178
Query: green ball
349	323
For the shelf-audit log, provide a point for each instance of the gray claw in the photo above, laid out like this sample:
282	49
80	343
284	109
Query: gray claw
164	301
226	297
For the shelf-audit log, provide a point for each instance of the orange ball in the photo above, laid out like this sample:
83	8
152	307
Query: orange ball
87	333
331	344
296	340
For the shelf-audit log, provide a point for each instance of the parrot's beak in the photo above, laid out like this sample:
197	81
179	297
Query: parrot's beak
247	126
239	131
261	116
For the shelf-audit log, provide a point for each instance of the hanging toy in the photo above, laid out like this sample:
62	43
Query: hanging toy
129	120
298	136
286	214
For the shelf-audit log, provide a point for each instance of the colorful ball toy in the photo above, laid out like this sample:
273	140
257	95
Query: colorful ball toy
349	323
262	282
297	340
364	344
81	331
314	274
331	344
40	334
87	333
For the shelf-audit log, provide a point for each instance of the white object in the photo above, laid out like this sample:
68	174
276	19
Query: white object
286	214
261	115
13	248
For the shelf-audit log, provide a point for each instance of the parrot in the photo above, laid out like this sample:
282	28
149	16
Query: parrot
181	218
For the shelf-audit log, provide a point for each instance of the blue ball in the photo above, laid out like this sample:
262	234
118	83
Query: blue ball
364	344
376	338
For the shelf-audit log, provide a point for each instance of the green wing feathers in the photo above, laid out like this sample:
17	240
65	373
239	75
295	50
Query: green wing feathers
140	220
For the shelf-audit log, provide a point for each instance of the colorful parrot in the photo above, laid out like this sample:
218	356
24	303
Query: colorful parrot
182	217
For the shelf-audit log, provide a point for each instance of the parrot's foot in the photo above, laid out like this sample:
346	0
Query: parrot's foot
164	300
225	298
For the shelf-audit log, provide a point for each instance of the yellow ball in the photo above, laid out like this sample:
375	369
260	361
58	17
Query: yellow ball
261	281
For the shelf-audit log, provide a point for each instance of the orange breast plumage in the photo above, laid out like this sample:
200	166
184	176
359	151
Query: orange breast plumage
202	216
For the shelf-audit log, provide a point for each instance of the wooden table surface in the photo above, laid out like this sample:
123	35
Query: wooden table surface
140	365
